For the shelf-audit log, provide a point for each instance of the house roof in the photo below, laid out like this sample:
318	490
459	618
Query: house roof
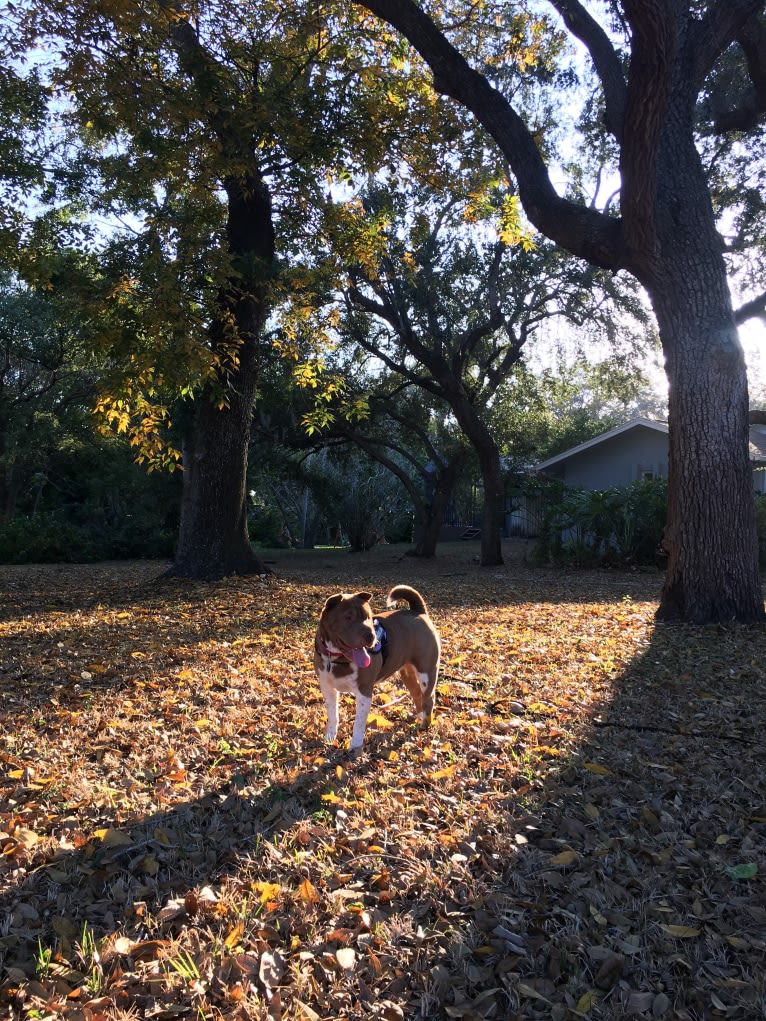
633	424
757	441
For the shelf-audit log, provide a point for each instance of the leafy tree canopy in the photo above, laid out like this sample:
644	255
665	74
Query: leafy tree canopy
159	107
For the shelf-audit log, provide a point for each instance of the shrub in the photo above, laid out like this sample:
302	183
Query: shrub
54	538
621	526
760	524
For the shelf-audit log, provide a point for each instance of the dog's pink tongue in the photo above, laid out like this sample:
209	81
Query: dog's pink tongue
361	657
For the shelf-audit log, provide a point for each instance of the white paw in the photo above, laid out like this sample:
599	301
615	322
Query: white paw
330	734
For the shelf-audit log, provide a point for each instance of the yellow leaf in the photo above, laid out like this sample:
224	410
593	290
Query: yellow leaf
332	798
381	722
267	891
722	838
441	774
599	770
568	857
307	892
25	836
681	931
738	943
586	1002
150	865
111	837
234	936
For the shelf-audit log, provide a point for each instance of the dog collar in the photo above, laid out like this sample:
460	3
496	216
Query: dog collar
330	656
328	652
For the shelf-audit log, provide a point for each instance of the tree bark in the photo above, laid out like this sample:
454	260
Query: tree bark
213	539
710	538
431	511
492	507
488	454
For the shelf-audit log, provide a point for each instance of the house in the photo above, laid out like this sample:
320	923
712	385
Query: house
637	450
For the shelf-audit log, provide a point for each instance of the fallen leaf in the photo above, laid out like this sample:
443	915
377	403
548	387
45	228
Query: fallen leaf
271	969
568	857
599	770
681	931
586	1002
745	870
307	892
346	957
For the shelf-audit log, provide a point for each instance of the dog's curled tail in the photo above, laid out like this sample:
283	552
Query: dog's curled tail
416	601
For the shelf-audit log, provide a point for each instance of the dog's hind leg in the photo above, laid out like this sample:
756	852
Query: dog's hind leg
419	686
331	697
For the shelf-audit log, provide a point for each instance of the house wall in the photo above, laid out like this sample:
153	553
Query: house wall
618	461
638	453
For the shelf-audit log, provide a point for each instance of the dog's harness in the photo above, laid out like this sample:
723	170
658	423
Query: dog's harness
381	639
380	646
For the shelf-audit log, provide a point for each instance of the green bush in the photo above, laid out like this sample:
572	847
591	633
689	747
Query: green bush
53	538
619	526
760	524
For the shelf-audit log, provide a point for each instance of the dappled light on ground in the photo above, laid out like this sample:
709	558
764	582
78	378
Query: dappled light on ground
581	833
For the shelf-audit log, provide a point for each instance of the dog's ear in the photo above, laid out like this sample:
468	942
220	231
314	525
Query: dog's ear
365	597
332	601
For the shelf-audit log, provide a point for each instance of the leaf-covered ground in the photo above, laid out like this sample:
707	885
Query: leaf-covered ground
582	834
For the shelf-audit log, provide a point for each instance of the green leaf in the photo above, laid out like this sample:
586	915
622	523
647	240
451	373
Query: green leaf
745	870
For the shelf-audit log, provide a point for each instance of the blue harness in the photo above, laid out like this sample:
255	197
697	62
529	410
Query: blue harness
381	640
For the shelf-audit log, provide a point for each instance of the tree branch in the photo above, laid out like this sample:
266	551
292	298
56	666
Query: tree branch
583	231
653	53
750	111
724	22
755	309
605	60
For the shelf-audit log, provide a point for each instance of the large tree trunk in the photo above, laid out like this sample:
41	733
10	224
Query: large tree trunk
710	537
213	540
492	508
432	510
488	455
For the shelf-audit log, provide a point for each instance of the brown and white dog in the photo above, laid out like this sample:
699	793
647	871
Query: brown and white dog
353	650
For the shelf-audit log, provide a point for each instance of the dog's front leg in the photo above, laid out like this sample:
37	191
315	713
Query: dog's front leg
363	704
331	696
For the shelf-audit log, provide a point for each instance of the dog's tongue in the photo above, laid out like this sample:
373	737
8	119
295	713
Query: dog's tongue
361	657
